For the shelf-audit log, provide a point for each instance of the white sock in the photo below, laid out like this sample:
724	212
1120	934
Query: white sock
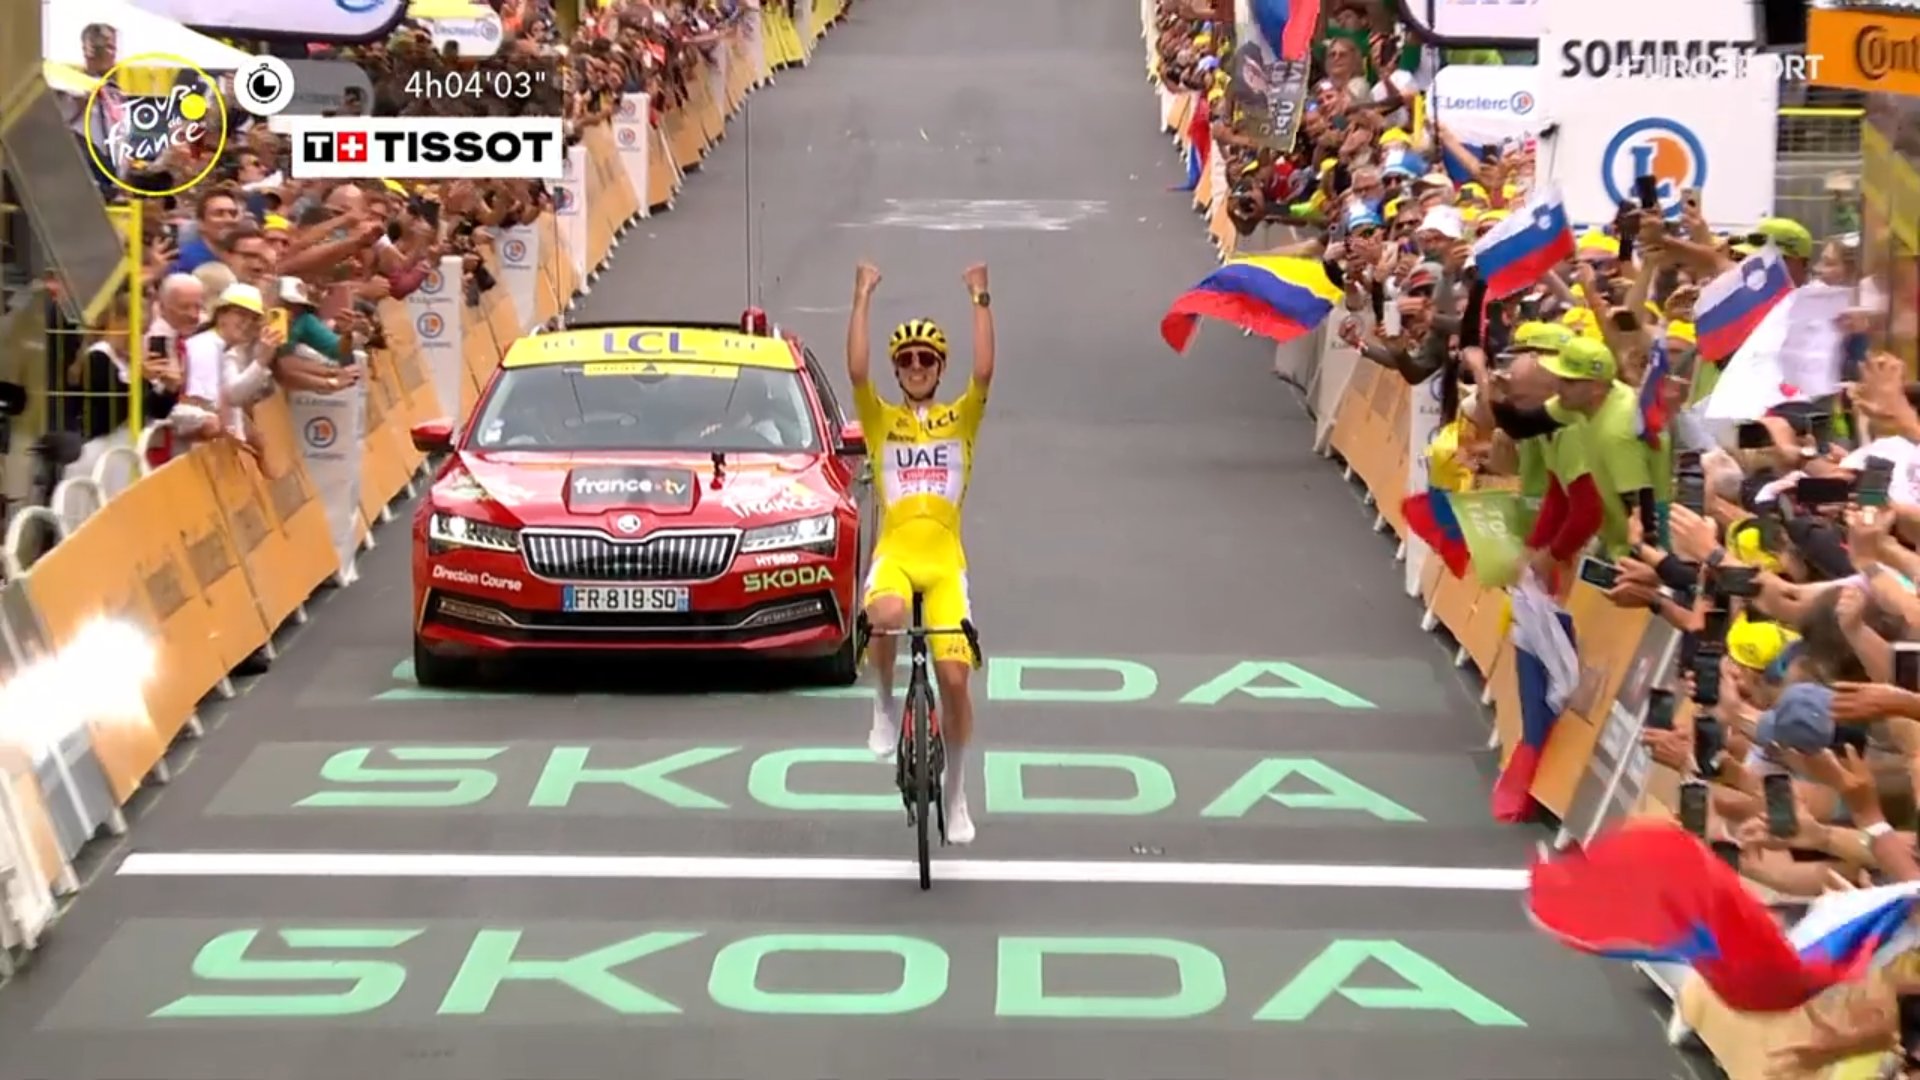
953	785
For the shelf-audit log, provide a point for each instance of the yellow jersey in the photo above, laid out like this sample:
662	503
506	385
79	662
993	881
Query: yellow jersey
924	458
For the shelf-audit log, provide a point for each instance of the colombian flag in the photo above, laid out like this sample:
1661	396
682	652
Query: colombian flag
1276	296
1651	891
1524	246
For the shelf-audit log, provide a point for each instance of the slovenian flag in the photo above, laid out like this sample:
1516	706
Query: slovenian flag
1651	891
1430	516
1734	304
1277	296
1534	642
1525	245
1653	399
1199	144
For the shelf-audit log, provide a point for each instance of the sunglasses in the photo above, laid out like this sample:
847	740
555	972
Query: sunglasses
1420	292
917	358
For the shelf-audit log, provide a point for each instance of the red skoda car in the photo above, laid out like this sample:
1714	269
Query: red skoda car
686	488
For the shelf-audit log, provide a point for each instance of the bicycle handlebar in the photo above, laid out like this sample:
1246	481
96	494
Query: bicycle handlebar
922	631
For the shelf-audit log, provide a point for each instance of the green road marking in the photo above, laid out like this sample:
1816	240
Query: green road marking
665	778
1195	682
155	973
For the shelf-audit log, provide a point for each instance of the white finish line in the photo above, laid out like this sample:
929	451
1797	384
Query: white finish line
258	864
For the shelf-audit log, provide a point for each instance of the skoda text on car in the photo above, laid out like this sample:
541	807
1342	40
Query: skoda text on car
686	487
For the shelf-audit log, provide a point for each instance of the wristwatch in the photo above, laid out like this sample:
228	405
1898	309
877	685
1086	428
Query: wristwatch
983	299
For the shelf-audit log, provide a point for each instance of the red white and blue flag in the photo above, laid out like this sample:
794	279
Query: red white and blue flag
1651	891
1199	145
1735	303
1653	398
1523	247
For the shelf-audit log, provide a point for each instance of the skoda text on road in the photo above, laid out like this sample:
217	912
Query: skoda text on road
684	489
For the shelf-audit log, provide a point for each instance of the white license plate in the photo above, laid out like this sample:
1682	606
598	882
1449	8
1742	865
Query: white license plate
624	599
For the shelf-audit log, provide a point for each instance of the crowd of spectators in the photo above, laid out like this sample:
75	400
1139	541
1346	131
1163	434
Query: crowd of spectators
1779	537
253	278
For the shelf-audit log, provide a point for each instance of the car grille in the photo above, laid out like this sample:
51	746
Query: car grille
591	557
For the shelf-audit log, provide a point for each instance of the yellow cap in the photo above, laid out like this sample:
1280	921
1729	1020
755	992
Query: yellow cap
1543	337
1756	645
1746	543
1600	242
1471	190
1582	359
276	223
242	296
1791	237
1680	330
1394	135
1581	321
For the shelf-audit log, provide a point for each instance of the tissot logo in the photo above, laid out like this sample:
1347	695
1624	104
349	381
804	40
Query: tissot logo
360	148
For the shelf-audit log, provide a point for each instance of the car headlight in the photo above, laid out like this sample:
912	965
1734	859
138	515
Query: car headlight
815	534
446	530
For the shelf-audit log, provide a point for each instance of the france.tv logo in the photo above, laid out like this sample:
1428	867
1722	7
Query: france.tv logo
1664	149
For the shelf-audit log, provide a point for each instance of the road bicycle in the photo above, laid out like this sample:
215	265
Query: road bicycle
920	757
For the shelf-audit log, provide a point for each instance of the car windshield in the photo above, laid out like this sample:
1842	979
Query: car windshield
658	406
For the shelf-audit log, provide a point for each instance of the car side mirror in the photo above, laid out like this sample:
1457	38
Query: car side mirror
433	436
853	441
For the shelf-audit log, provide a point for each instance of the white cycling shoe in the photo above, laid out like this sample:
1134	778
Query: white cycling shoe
884	737
959	822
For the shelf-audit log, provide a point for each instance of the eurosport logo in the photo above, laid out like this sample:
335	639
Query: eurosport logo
173	105
430	324
1518	103
423	148
1664	149
514	252
321	433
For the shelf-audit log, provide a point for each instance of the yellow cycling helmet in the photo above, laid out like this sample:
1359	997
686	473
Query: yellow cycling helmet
924	332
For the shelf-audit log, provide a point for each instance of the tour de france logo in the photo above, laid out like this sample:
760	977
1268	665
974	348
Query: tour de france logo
321	433
430	325
146	126
1664	149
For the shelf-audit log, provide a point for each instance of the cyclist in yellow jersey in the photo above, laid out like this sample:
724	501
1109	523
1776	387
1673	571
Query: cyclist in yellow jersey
922	451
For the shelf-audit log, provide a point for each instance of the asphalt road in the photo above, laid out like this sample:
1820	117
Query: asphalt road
1202	669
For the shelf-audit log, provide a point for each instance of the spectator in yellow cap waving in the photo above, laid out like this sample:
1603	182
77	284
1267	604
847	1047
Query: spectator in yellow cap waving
1599	461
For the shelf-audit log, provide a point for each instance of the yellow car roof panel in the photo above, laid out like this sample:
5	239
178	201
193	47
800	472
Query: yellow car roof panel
639	344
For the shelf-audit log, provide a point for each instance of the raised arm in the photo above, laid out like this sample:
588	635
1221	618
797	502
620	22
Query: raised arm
866	277
976	279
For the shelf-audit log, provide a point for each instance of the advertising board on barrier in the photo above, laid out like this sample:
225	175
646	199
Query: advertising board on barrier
1874	51
301	20
474	38
633	136
1488	104
570	206
1616	773
1423	422
331	427
436	311
520	270
1705	127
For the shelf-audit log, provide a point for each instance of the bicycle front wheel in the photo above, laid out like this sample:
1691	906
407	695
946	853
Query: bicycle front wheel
922	775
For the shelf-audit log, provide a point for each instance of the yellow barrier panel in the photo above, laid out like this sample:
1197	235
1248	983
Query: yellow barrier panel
213	551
